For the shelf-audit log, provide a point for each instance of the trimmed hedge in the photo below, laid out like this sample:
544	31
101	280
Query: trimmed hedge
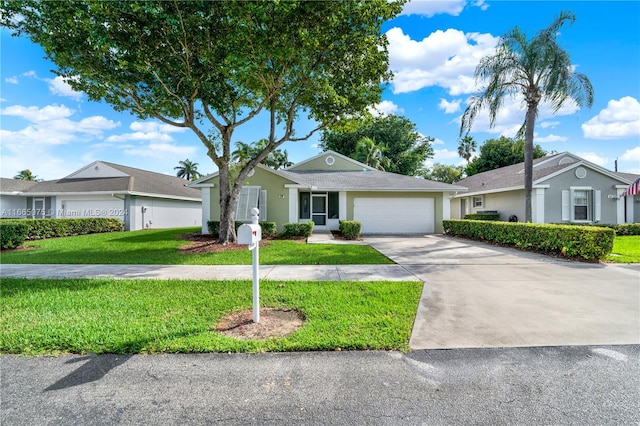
298	229
622	229
38	229
269	229
482	216
586	242
12	234
350	229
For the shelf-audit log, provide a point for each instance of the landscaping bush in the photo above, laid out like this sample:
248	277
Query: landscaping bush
584	242
350	229
12	234
483	216
622	229
214	227
298	229
38	229
269	229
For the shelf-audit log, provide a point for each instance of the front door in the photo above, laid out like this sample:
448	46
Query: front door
38	208
319	209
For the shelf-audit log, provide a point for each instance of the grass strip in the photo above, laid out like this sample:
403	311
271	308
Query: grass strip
49	316
160	247
626	249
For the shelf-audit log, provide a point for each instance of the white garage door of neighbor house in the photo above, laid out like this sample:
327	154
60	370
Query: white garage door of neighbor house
395	215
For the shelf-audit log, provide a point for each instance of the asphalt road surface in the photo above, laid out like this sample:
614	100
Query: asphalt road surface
595	385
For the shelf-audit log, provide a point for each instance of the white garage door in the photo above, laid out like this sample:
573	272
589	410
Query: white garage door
395	215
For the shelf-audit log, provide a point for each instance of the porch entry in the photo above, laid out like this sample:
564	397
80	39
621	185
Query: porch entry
319	206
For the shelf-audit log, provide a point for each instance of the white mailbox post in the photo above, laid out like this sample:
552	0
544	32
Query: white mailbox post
251	234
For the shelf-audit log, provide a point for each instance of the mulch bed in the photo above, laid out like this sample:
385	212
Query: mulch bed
273	323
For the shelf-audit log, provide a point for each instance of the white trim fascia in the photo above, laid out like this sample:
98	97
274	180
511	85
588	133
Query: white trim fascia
203	179
101	163
620	186
170	197
112	193
489	191
584	163
333	153
437	190
297	185
202	185
551	157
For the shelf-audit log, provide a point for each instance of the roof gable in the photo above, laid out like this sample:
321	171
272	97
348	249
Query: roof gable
329	161
97	169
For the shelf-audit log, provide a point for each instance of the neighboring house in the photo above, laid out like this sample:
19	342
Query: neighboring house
566	189
331	187
141	199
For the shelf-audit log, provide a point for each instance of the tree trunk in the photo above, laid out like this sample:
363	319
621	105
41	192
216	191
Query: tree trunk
228	208
528	159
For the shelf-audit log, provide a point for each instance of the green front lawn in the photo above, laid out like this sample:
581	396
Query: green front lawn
626	249
160	247
47	316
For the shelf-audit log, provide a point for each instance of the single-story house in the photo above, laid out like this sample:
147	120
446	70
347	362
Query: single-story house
330	187
140	198
566	189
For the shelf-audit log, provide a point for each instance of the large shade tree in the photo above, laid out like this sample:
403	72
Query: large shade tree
538	69
402	149
212	66
501	152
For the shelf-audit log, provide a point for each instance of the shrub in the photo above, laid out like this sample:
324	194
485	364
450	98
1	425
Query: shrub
483	216
38	229
350	229
269	229
214	227
621	229
585	242
298	229
12	234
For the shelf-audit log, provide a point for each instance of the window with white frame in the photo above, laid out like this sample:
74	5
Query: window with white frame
478	201
581	205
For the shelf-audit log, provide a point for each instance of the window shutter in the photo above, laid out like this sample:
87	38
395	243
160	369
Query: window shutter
262	205
597	205
566	205
248	200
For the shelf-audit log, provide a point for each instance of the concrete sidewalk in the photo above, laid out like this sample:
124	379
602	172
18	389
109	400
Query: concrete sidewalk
198	272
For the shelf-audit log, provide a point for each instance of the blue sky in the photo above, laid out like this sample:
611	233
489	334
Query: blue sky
434	48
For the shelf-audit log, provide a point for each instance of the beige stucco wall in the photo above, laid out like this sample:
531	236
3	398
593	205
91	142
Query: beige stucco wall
505	203
277	195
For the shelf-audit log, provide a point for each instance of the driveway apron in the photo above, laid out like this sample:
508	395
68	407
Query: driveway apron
480	296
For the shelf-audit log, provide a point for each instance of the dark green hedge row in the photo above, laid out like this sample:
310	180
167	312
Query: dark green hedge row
483	216
622	229
269	229
350	229
12	234
38	229
298	229
585	242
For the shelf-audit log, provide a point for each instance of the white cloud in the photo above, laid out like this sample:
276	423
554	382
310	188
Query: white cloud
154	126
11	80
38	115
140	136
430	8
161	150
594	158
619	120
59	86
385	108
549	124
632	154
50	125
549	138
444	154
449	107
444	58
30	73
436	141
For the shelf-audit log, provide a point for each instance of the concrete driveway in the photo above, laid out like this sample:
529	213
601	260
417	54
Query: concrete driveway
477	296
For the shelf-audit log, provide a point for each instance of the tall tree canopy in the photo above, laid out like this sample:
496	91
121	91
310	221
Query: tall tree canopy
276	159
212	66
445	173
404	149
501	152
540	70
188	170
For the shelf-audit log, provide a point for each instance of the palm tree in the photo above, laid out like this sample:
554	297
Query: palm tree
540	70
26	175
466	148
188	170
370	153
276	159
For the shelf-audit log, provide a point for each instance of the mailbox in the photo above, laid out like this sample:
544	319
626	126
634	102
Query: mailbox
249	233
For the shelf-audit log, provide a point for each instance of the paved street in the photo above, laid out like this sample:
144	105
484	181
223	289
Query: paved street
531	386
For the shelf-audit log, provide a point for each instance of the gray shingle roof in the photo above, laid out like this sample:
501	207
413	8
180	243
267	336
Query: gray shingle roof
512	176
11	185
138	181
370	180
